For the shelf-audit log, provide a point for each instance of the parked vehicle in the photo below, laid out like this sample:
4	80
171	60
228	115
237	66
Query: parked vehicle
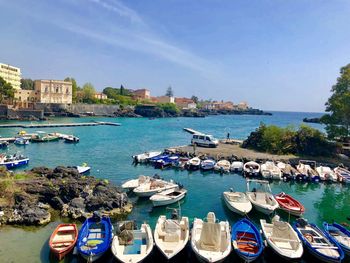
204	140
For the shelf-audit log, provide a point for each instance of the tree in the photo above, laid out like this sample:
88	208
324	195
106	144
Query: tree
75	88
195	99
169	92
338	105
122	90
88	93
6	90
27	84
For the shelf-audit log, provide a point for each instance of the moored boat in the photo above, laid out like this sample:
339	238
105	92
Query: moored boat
207	164
71	139
83	169
338	234
317	243
306	169
288	171
168	197
237	202
63	239
270	171
342	174
133	183
210	239
246	240
290	205
222	166
95	237
236	167
13	161
166	161
4	144
193	164
21	141
146	156
153	186
251	168
326	174
181	162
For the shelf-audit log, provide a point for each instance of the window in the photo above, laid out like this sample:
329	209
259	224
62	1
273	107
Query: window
201	137
56	89
46	89
207	138
67	91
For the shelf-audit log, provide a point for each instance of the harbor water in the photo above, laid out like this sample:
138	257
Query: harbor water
108	150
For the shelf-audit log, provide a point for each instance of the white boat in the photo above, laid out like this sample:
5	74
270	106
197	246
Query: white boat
144	157
342	174
237	202
133	183
222	166
304	167
171	235
71	139
236	166
194	163
153	186
132	245
270	170
168	197
261	197
288	171
282	238
251	168
207	164
326	174
83	169
210	239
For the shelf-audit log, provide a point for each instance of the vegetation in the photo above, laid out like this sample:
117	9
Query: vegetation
27	84
338	105
169	108
121	96
6	90
277	140
195	99
75	88
169	92
88	93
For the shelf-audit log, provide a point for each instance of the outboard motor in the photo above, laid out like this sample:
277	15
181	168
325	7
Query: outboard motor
175	214
96	216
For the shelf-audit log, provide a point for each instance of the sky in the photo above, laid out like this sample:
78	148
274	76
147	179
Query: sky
273	54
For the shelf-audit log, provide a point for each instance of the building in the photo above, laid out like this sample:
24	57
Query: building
141	94
219	105
185	103
11	75
242	106
54	91
163	99
100	96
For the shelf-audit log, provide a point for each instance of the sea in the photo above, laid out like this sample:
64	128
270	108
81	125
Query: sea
108	150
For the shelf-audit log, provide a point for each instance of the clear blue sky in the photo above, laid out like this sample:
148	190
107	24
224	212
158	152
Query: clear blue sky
276	55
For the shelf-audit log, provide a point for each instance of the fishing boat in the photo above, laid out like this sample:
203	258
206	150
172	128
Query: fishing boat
146	156
63	239
246	240
21	141
338	234
261	196
237	202
181	163
83	169
210	239
133	183
168	197
166	161
132	245
317	243
4	144
95	237
71	139
194	164
290	205
270	170
343	174
326	174
306	169
13	161
42	137
153	186
282	238
207	164
222	166
251	168
171	235
236	167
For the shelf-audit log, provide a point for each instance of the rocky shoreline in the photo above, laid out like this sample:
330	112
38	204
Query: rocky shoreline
29	198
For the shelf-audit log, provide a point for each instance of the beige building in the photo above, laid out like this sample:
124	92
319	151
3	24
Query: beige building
164	99
100	96
142	94
185	103
11	75
53	91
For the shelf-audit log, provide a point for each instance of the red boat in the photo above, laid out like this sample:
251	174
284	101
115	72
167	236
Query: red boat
289	204
63	239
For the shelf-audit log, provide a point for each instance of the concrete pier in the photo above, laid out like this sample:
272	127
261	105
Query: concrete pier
50	125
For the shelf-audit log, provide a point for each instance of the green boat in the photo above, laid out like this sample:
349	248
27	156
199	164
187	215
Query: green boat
45	138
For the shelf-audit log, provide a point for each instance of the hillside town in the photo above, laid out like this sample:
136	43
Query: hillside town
35	99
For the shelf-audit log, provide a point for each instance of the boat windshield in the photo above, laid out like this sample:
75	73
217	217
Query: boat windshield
258	186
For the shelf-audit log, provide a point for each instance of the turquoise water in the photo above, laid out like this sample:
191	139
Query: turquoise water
108	151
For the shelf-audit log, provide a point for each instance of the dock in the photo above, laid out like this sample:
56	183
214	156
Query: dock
192	131
52	125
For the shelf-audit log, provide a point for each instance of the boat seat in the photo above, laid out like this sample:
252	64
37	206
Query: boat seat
171	237
143	249
260	197
66	228
284	245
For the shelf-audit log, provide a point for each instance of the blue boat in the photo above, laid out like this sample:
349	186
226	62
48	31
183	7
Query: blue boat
246	240
21	141
338	234
317	243
13	161
158	157
166	161
95	237
3	144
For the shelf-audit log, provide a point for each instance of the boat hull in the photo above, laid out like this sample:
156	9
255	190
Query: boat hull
61	253
15	164
168	202
235	209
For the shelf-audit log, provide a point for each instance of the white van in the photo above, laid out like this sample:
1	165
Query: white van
204	140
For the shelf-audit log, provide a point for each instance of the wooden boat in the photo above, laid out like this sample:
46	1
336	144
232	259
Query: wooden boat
222	166
21	141
133	183
146	156
282	238
290	205
63	239
236	167
132	245
270	171
168	197
95	237
194	163
246	240
71	139
153	186
251	169
326	174
171	235
343	174
207	164
13	161
338	234
237	202
261	197
317	243
210	239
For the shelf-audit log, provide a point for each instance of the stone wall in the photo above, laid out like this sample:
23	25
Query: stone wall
3	111
25	114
